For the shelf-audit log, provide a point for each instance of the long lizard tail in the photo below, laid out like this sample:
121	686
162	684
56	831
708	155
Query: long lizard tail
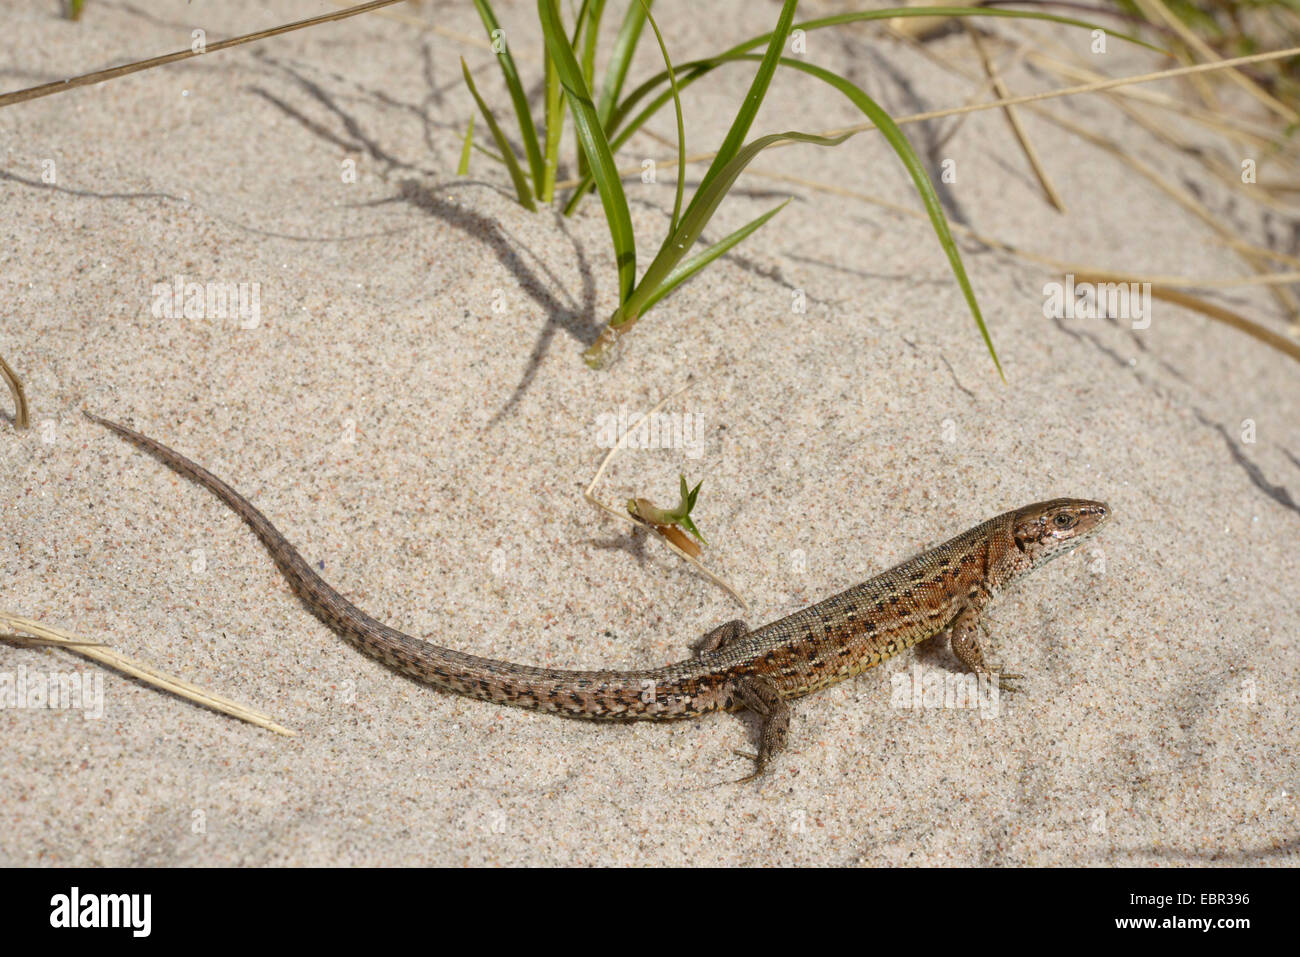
660	693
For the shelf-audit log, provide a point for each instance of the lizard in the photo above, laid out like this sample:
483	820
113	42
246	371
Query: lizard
942	591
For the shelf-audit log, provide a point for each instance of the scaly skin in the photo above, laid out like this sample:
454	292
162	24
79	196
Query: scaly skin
942	590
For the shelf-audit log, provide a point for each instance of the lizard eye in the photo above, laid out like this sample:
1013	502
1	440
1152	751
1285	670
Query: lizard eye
1064	520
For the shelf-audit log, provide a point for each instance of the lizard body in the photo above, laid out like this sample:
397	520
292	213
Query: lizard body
944	589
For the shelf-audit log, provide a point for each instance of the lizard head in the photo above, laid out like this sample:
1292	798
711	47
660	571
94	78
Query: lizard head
1045	530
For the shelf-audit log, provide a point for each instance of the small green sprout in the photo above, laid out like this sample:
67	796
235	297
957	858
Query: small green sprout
667	522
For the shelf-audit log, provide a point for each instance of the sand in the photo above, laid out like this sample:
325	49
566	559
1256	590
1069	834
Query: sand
410	407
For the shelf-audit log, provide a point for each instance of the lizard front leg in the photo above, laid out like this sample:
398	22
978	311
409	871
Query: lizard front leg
964	641
761	697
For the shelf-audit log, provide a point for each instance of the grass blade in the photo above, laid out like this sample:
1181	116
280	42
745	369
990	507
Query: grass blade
697	216
592	138
495	157
577	25
920	179
698	68
21	417
554	131
753	99
675	246
681	126
527	131
113	72
587	69
687	73
620	58
507	154
462	169
689	267
708	197
28	631
591	34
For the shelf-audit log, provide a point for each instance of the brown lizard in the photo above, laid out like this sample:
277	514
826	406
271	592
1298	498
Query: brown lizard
942	591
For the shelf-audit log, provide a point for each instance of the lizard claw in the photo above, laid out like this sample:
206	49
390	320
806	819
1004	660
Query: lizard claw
999	677
760	767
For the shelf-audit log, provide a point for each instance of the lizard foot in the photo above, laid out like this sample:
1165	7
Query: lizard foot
761	697
995	672
722	635
759	767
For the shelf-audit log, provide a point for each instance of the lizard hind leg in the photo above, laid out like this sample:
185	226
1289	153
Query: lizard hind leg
722	635
761	697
